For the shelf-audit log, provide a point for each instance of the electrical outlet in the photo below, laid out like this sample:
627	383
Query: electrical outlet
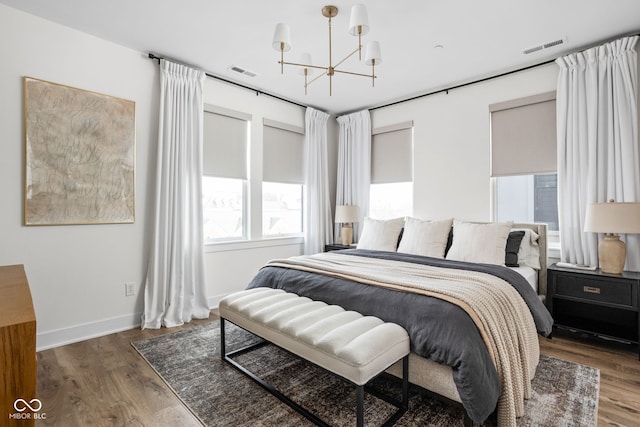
129	289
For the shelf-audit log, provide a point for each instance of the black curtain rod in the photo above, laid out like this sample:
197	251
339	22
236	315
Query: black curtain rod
446	90
257	91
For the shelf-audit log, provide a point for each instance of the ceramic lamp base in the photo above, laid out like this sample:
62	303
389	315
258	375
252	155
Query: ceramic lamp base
346	233
612	253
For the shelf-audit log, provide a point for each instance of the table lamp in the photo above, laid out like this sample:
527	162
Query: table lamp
612	219
345	215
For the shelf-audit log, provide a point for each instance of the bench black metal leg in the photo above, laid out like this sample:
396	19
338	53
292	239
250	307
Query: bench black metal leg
360	389
223	351
405	382
360	406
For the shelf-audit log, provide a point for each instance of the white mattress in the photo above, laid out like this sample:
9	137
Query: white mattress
530	274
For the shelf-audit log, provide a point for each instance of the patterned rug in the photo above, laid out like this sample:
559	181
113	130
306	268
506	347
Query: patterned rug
565	393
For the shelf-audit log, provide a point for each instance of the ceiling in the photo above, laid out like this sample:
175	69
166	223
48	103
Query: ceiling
477	38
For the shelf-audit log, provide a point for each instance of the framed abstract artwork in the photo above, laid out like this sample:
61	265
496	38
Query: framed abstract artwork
79	156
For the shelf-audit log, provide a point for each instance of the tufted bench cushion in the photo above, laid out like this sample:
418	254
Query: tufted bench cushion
351	345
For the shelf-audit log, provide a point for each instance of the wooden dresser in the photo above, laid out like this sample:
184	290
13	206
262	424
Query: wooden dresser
17	349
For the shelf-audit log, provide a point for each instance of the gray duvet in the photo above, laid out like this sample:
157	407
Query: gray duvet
439	330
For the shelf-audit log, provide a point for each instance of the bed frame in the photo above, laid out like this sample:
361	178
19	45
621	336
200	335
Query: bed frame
541	230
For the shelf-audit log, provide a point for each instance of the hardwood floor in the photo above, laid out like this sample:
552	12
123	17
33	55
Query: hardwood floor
104	382
619	403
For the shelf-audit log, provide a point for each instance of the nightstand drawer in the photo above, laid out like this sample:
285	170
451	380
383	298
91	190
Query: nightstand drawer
615	292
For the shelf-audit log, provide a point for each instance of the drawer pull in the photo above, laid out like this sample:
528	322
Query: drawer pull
591	290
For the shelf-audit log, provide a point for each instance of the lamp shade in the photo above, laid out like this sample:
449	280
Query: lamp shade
347	214
373	53
281	36
305	59
613	218
359	17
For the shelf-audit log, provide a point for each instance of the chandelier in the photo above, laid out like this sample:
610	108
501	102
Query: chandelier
358	26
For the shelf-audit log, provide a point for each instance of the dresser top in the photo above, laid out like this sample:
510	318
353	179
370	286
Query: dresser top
16	305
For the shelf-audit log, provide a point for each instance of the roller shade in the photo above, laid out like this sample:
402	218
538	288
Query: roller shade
225	142
392	154
282	153
523	136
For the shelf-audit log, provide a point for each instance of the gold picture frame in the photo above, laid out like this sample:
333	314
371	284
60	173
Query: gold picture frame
79	156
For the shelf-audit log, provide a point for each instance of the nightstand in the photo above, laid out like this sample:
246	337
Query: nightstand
601	304
336	247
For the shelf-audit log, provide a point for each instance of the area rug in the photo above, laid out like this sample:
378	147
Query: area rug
564	393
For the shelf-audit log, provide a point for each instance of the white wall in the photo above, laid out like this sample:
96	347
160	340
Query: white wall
77	273
452	142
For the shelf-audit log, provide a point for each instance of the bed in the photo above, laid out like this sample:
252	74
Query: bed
443	282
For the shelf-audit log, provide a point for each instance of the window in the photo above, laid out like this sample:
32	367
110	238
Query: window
223	203
391	200
523	160
283	178
528	198
226	136
391	190
281	208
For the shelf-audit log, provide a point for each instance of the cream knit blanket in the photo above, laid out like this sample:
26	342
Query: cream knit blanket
501	315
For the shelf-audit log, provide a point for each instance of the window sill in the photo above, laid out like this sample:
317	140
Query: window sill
240	245
553	250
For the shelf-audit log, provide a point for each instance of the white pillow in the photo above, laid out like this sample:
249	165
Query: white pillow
529	252
380	235
482	243
426	238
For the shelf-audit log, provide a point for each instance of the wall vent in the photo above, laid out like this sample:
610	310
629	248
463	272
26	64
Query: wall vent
546	45
242	71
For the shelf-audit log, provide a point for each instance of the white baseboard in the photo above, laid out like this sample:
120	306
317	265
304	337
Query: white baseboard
72	334
214	301
64	336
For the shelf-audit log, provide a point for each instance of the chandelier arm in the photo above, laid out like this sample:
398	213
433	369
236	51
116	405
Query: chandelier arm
306	75
304	65
315	78
281	58
357	74
346	57
330	51
373	73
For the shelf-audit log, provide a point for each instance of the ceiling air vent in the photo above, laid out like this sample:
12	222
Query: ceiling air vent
546	45
242	71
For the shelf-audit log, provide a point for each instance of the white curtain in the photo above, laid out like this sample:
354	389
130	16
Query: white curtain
354	165
318	218
598	159
175	289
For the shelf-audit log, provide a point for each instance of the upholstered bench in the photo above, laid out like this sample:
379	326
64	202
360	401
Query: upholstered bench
346	343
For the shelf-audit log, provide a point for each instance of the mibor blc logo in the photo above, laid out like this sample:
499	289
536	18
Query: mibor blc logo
27	410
